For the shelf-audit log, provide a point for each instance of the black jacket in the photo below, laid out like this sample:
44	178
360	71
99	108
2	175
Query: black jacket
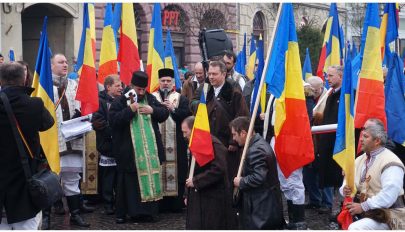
103	135
32	117
262	206
120	118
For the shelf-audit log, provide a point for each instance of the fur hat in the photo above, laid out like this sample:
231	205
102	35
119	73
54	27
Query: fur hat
140	79
166	72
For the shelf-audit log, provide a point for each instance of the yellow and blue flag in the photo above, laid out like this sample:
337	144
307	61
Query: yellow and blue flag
43	85
200	141
170	60
370	100
344	151
250	71
284	78
307	69
155	49
108	53
395	99
240	65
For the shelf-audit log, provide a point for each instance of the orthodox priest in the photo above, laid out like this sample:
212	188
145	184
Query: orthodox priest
174	169
138	150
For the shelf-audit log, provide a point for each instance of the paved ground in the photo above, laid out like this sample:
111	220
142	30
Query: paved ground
169	221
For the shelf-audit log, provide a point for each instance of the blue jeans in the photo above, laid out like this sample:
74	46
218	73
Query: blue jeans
317	196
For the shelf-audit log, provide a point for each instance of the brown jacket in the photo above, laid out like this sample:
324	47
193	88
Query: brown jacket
189	88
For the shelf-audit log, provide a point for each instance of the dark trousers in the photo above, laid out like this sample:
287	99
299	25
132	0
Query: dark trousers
108	183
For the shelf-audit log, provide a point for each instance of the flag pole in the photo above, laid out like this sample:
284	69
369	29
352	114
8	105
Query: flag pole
256	106
192	167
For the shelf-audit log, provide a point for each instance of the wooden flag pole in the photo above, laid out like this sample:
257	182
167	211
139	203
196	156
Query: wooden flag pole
256	106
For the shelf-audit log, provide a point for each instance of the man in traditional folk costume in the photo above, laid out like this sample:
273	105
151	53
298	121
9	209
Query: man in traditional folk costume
71	152
174	170
138	150
378	179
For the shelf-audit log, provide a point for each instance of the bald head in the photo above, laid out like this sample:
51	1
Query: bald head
59	65
199	72
316	84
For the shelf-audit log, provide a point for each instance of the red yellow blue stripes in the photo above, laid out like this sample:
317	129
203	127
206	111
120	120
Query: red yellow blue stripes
155	49
291	119
43	84
200	141
128	54
108	52
370	99
87	92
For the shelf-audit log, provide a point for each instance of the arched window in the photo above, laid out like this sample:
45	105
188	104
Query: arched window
174	17
259	26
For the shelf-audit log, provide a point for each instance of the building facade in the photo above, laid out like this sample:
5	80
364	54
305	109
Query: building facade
21	25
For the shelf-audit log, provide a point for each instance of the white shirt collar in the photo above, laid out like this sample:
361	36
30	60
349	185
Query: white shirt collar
218	89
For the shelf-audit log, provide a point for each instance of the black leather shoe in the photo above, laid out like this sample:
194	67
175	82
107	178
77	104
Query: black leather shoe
76	219
58	208
109	209
120	220
86	209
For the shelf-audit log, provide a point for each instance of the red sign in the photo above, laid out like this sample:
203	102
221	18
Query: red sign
170	18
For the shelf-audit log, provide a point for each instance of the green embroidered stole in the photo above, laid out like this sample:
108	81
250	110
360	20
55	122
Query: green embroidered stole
146	156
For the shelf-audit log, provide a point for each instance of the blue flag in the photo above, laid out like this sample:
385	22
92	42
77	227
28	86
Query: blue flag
395	98
241	59
307	69
11	55
170	60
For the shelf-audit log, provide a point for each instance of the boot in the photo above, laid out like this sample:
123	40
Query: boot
74	208
298	218
58	207
85	208
109	209
46	219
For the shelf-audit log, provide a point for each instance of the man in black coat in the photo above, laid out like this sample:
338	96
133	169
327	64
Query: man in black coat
107	164
261	204
206	197
330	173
145	113
32	117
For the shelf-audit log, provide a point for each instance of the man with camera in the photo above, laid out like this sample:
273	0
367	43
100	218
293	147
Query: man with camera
32	117
138	151
174	170
378	178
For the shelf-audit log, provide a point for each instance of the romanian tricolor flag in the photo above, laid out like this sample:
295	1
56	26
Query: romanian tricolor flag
87	92
370	100
170	60
200	141
258	76
307	69
250	71
155	49
344	151
332	51
293	139
128	54
108	52
43	84
395	99
389	26
240	65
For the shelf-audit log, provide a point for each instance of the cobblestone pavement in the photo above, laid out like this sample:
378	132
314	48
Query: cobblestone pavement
171	221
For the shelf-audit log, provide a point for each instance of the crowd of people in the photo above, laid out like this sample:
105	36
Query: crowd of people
142	140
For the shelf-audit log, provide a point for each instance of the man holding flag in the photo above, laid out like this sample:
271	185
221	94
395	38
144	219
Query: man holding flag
378	179
206	198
